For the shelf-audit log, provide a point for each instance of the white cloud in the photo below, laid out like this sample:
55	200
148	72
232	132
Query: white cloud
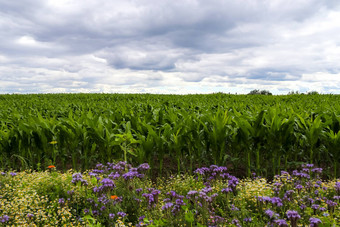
169	46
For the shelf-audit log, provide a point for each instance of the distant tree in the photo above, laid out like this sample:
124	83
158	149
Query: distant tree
254	92
312	93
293	93
258	92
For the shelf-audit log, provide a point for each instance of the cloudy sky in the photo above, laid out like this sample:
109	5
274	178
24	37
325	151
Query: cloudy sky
169	46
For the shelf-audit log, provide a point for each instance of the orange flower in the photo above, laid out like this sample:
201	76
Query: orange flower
114	197
50	167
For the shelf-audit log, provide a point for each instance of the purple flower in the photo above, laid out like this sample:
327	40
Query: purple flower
138	190
226	190
95	212
293	216
247	219
167	206
317	170
30	215
314	222
61	201
114	176
337	186
233	208
143	167
180	202
132	174
276	201
302	206
299	187
217	219
3	173
270	213
233	182
152	197
172	194
92	174
311	201
263	199
331	205
322	208
213	172
108	184
315	206
236	222
121	214
190	193
281	223
77	177
4	219
112	216
288	196
86	211
13	174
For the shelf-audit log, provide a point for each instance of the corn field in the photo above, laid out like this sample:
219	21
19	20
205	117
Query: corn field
250	133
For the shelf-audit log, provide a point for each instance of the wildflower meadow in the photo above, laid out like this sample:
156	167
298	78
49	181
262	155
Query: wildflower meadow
118	194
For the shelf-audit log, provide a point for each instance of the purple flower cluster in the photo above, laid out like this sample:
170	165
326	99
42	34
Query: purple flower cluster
281	223
121	214
293	217
175	201
133	173
314	222
337	187
205	196
107	185
61	201
247	220
4	219
212	173
78	177
105	200
288	196
290	192
301	175
263	199
271	214
151	197
276	201
331	205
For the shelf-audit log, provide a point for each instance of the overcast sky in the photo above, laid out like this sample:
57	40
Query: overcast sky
169	46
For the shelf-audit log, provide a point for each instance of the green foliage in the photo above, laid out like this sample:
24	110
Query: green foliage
249	133
258	92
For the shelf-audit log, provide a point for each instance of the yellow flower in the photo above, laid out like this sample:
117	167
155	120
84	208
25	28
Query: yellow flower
53	142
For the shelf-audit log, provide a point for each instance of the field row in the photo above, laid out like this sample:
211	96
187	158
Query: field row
252	133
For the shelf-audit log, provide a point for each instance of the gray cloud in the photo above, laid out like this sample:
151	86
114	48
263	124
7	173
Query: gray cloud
168	46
